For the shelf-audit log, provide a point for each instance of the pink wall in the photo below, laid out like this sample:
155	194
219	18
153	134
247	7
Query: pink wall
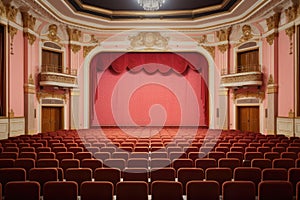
286	76
16	78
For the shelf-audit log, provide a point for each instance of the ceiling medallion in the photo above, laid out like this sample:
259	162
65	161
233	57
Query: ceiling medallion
151	5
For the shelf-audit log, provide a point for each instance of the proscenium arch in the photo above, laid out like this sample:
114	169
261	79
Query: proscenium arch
85	73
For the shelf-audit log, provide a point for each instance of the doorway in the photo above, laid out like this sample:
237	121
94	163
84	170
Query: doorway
248	118
52	118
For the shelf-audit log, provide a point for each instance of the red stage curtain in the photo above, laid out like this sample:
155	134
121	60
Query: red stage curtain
111	67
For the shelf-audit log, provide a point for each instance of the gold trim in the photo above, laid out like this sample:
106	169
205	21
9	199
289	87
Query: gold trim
11	113
124	29
43	95
87	50
28	20
154	13
74	34
273	21
211	50
290	32
223	48
30	80
270	39
148	40
259	95
2	9
291	114
271	80
11	13
291	13
31	38
29	89
52	35
247	33
75	48
12	32
272	89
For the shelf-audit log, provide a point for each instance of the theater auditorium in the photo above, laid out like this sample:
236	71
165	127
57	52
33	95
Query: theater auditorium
149	100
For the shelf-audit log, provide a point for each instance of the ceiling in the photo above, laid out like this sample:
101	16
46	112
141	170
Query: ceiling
110	15
172	9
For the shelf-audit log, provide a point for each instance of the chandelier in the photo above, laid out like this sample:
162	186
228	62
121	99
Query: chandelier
151	5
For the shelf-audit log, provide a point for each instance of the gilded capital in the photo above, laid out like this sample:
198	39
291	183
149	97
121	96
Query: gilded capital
291	13
223	35
273	21
74	34
11	13
31	38
87	50
75	48
28	20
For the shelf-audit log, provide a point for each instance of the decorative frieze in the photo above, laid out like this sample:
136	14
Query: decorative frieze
241	79
74	34
55	95
58	78
253	94
211	50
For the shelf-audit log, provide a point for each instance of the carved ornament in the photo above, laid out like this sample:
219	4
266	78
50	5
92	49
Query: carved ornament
11	13
58	78
44	95
210	49
223	35
247	33
273	21
88	49
148	40
74	34
52	33
291	13
290	32
11	113
28	20
271	38
271	80
31	38
75	48
223	48
203	39
30	80
12	32
259	95
2	9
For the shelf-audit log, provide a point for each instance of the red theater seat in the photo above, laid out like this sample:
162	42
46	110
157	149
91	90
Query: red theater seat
160	190
96	190
236	190
60	190
275	190
29	190
202	190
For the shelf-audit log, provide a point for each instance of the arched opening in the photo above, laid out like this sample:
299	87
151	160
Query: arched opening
149	89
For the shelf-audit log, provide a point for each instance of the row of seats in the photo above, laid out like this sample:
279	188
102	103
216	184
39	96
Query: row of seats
160	190
183	175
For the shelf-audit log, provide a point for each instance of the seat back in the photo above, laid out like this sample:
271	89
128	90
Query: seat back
202	190
233	190
91	190
160	190
275	190
128	190
60	190
29	190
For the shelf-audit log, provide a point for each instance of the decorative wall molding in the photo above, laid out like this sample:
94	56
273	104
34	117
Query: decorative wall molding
31	38
291	13
2	9
242	79
271	38
211	50
45	95
272	89
273	21
12	32
12	127
29	89
52	33
259	95
74	34
148	40
247	34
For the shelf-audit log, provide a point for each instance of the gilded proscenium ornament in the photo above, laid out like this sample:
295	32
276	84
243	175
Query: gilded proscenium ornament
28	20
11	13
210	49
52	33
273	21
290	32
148	40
